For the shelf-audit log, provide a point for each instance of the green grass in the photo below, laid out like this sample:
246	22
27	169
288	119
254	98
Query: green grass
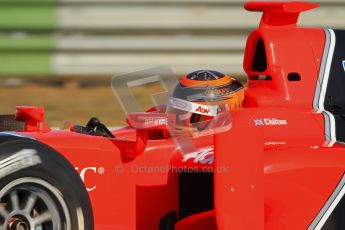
27	17
36	43
26	1
25	63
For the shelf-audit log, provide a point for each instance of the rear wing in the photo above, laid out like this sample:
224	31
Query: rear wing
279	13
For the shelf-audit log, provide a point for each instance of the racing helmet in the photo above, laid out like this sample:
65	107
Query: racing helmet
201	96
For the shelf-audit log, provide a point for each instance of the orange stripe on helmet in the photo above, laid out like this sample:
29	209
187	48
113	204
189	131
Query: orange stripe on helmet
234	100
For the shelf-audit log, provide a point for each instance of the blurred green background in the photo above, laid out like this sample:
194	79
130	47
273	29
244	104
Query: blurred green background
61	54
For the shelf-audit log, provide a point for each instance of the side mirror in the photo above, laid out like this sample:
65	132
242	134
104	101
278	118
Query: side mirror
150	121
143	123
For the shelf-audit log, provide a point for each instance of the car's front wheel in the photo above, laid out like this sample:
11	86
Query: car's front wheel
40	190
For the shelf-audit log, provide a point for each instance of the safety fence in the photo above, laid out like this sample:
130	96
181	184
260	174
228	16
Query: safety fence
100	38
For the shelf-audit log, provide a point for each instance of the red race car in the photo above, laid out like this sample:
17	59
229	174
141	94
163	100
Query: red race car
276	161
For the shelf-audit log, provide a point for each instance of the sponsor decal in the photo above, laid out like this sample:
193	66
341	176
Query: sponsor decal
88	171
217	92
202	156
268	143
344	65
274	121
269	122
258	122
21	160
209	110
203	110
156	121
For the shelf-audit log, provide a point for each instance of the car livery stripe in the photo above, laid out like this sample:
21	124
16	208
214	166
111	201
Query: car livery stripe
6	134
321	88
329	207
322	71
325	93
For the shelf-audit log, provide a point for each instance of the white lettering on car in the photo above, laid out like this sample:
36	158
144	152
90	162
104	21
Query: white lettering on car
269	122
83	172
203	156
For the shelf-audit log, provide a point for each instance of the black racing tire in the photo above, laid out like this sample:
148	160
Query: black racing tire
40	189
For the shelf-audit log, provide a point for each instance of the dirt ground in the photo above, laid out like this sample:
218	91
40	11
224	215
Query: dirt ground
74	104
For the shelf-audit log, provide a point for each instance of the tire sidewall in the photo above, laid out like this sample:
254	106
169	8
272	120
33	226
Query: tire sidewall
54	169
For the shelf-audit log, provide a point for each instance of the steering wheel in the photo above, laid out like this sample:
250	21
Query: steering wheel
97	128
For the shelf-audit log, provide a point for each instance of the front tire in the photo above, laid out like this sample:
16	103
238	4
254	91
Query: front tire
40	190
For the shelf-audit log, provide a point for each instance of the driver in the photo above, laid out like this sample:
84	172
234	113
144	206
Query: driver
202	95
